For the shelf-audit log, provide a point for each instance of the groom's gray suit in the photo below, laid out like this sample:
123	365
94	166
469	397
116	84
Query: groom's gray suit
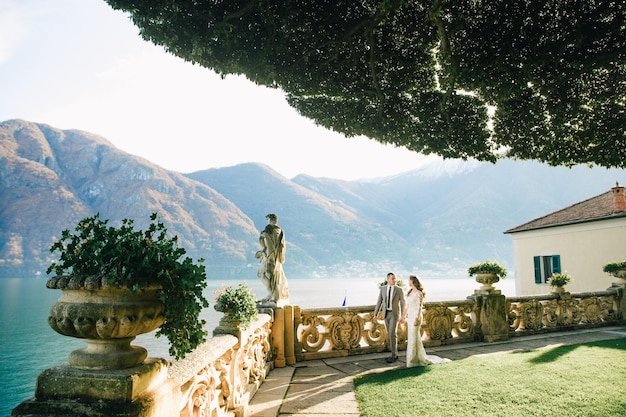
391	316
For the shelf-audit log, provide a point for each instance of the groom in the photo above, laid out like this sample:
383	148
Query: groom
390	305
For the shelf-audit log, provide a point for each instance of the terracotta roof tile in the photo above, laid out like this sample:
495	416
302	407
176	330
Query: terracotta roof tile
600	207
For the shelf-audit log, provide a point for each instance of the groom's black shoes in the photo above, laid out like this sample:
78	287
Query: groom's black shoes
391	359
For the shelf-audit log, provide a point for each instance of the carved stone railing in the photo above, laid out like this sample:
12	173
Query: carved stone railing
563	311
221	376
329	332
216	379
344	331
450	322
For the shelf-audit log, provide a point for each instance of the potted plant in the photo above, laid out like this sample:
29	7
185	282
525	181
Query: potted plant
239	305
137	266
617	269
487	267
558	280
487	273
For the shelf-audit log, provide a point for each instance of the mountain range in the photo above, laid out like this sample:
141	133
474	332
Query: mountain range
436	220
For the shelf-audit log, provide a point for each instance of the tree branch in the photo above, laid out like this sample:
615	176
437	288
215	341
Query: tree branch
434	15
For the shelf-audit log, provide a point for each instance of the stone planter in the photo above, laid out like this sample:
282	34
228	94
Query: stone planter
487	281
228	325
228	321
557	290
108	318
621	274
621	278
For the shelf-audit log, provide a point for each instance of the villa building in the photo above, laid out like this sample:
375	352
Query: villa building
579	239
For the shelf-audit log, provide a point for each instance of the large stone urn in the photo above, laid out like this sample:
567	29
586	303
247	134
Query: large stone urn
486	280
557	289
108	317
620	274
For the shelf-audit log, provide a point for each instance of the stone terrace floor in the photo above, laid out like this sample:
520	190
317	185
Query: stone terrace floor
324	387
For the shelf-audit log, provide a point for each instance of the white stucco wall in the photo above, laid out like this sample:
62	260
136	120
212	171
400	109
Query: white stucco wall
584	249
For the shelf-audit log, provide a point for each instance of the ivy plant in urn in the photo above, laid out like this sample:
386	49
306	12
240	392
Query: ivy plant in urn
487	273
119	282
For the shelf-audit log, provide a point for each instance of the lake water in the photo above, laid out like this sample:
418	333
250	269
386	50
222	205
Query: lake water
28	345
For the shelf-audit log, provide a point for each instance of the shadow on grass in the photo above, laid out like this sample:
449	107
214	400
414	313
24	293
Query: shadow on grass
392	375
551	355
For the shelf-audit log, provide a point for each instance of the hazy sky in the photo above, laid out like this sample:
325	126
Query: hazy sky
78	64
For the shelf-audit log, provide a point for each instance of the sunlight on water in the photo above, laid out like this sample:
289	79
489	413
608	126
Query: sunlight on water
29	345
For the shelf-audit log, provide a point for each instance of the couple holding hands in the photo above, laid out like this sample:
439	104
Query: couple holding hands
394	307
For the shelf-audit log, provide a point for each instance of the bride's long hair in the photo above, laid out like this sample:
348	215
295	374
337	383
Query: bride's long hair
416	282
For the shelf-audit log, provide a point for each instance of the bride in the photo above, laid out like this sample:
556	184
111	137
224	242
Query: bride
415	352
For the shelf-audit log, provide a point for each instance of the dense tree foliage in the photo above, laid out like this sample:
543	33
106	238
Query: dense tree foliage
527	79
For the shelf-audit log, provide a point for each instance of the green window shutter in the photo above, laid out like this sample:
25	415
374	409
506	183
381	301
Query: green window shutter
556	264
537	261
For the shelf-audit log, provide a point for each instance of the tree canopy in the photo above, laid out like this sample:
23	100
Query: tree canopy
525	79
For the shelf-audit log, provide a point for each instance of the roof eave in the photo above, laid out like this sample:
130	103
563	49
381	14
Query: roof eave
595	219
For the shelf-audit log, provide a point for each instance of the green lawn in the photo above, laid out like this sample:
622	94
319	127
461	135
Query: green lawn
575	380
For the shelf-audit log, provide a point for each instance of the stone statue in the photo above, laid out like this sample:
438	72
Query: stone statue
272	257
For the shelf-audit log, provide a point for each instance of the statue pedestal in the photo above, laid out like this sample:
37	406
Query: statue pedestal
128	384
68	391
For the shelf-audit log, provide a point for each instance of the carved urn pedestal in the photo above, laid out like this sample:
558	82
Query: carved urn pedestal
487	280
229	325
621	276
620	287
494	327
107	317
109	376
557	289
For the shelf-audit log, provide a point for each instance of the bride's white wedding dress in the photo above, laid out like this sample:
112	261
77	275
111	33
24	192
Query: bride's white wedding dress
415	352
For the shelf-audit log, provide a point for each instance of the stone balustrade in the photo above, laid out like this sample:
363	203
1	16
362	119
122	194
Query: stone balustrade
217	378
563	311
332	332
221	376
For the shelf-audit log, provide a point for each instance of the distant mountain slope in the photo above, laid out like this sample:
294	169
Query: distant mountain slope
435	220
328	235
454	214
50	178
